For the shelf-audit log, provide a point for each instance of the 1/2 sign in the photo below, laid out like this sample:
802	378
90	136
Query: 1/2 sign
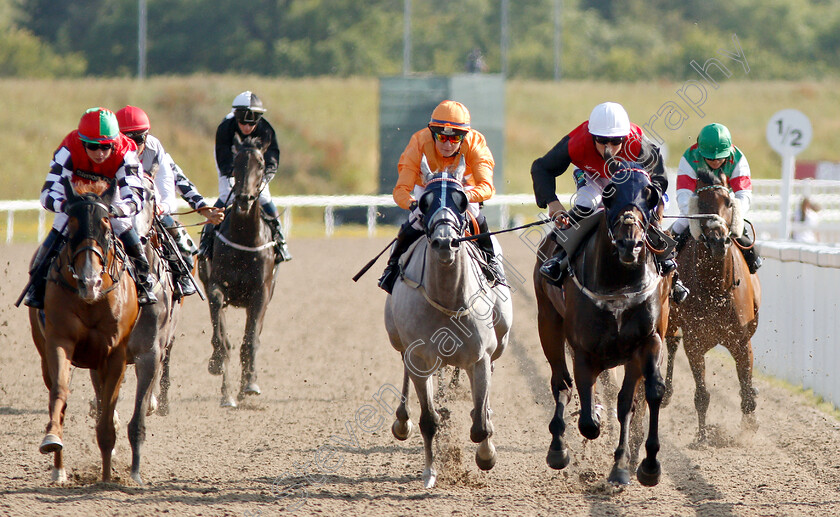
789	132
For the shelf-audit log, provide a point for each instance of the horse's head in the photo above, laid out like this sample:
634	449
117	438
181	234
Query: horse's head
248	172
630	200
90	235
444	206
713	197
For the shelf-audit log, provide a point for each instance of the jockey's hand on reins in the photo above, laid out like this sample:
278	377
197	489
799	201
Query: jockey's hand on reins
562	219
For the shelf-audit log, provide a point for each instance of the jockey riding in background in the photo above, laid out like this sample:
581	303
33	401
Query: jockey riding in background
447	137
95	151
134	123
246	120
715	153
595	147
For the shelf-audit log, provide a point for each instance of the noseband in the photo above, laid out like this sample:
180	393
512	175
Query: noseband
446	214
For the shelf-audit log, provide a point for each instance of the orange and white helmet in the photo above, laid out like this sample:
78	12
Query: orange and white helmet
450	118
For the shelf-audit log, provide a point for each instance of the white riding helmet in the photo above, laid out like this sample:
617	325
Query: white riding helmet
609	119
248	101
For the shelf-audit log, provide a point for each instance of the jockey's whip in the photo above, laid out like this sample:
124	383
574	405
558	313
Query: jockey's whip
374	259
487	234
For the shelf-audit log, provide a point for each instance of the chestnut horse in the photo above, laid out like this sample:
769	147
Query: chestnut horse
241	272
612	310
723	306
90	308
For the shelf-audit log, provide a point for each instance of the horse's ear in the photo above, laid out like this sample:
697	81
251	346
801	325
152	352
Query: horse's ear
459	171
69	191
724	179
608	195
652	197
237	140
425	172
108	195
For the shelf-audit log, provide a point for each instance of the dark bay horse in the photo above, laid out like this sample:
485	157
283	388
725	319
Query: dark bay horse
90	308
442	312
612	310
725	297
241	272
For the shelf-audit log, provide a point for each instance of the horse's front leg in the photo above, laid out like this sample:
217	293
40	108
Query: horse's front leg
401	428
221	346
146	366
620	473
649	471
429	422
482	427
550	327
110	377
744	366
251	344
672	343
589	422
57	369
695	353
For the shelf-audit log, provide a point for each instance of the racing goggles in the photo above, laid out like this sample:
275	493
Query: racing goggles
455	139
247	117
613	140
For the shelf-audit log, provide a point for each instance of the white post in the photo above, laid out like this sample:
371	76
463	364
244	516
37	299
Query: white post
287	221
10	226
141	40
788	168
407	37
329	221
371	220
42	224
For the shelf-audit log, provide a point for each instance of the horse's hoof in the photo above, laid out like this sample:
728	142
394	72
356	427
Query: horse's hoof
251	389
228	402
137	479
59	476
153	405
51	443
619	476
214	366
401	431
648	475
558	460
429	478
485	455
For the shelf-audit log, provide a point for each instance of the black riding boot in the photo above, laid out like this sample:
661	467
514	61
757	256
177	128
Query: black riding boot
282	253
208	235
668	263
179	257
39	268
556	265
145	279
485	244
753	259
406	236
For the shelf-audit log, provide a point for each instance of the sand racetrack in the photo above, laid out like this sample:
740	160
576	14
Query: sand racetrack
324	355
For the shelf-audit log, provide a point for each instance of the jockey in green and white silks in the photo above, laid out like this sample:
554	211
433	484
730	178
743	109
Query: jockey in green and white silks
714	153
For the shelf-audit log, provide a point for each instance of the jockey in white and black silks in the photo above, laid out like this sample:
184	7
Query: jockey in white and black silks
93	152
594	148
246	120
169	179
715	153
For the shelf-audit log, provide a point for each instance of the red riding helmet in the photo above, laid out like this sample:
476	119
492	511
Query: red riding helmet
98	126
133	119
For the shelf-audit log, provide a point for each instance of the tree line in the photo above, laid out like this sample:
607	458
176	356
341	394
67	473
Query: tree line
599	39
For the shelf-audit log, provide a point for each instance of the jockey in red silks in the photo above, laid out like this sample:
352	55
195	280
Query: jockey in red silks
595	147
93	152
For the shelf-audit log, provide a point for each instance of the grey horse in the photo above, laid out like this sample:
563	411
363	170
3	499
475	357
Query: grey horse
444	312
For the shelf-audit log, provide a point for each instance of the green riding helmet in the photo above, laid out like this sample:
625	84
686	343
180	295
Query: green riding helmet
714	142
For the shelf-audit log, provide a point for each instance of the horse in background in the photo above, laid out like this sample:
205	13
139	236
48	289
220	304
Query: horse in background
241	272
725	297
443	312
612	310
90	308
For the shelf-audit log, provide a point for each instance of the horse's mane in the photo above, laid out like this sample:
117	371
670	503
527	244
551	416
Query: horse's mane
97	187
